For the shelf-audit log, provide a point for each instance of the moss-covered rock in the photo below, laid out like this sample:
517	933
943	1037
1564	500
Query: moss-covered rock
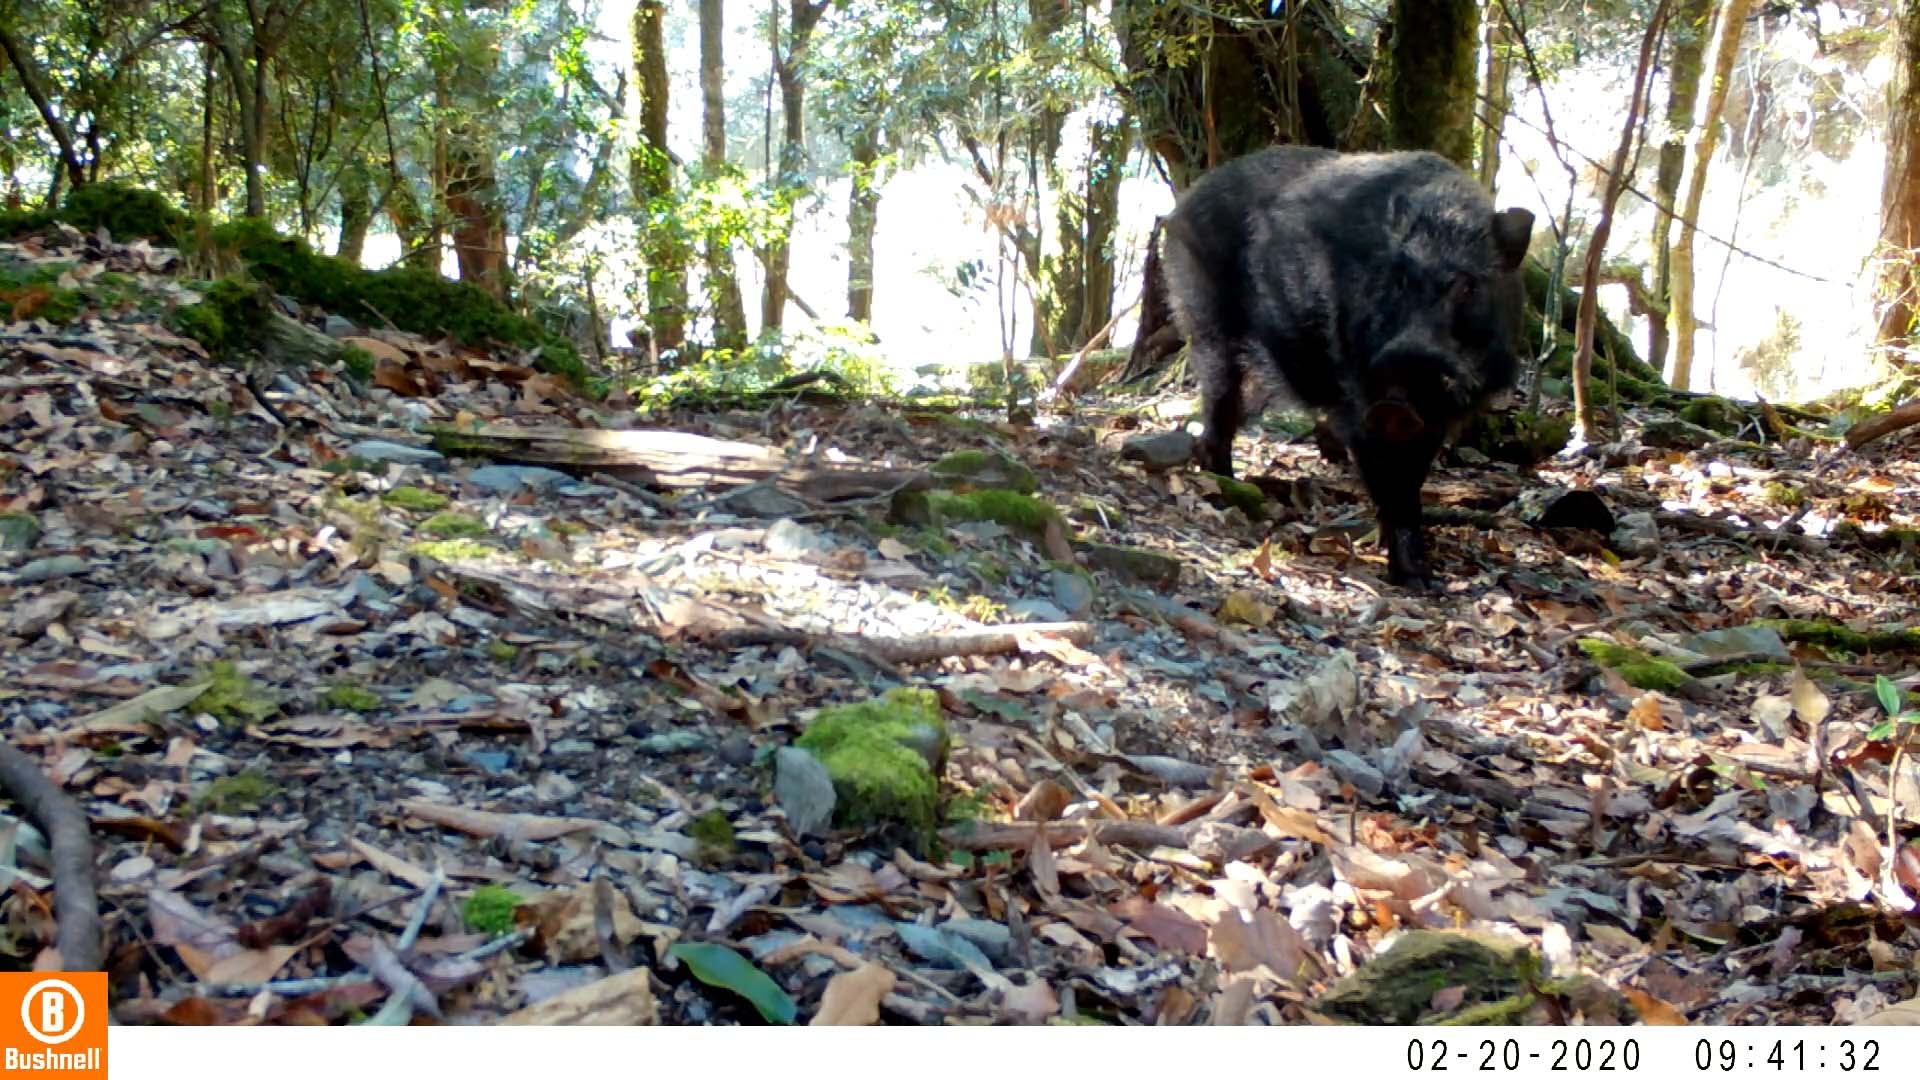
126	212
449	551
352	699
885	757
413	498
232	794
984	469
407	297
714	835
1517	436
1840	639
1238	495
452	526
1023	514
1635	666
232	698
232	319
1135	564
1399	985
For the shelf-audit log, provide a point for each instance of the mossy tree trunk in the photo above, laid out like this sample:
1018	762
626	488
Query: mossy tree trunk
1432	76
722	282
802	17
1687	35
662	245
863	218
1729	25
1497	89
356	211
1899	274
1106	166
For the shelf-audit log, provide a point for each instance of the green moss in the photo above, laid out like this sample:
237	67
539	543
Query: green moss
1021	513
407	297
1780	493
34	291
358	362
18	223
1399	985
490	910
231	320
985	469
19	531
352	699
1836	638
885	756
448	551
1715	414
1240	495
413	498
1091	511
933	543
452	526
502	653
1636	667
126	212
232	698
232	794
1517	436
714	834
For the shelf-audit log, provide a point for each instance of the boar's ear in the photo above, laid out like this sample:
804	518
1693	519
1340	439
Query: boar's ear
1512	232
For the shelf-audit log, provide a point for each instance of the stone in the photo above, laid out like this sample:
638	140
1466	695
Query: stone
398	453
804	790
510	479
1159	451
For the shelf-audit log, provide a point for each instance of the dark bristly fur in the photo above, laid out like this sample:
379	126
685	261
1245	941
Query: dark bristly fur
1379	289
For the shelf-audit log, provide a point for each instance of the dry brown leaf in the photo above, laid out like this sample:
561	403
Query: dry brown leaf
1653	1011
397	379
1033	1003
852	998
381	350
623	1000
1169	929
1809	702
1905	1014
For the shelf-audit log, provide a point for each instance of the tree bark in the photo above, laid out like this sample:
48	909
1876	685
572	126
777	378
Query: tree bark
1728	26
1432	77
723	283
1106	165
652	179
863	217
1900	193
356	212
1589	311
803	17
1498	91
29	72
1687	30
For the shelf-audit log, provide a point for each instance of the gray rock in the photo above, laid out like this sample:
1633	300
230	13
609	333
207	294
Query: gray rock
1072	592
761	500
1036	611
804	790
736	750
1356	770
788	539
1738	640
985	469
993	938
18	532
56	566
1159	451
398	453
1320	701
1135	564
674	742
338	327
509	479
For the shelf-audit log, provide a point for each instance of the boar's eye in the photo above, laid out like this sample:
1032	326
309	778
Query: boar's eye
1464	288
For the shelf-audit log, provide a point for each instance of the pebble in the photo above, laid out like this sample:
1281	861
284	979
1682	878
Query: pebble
382	450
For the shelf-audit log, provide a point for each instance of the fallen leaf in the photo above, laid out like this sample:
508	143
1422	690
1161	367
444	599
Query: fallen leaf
852	998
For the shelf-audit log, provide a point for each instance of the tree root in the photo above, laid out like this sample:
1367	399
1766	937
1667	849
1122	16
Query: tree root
76	904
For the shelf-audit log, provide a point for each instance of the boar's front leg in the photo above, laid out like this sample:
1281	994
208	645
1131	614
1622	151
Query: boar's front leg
1393	472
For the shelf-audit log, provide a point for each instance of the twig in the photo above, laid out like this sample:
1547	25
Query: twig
76	902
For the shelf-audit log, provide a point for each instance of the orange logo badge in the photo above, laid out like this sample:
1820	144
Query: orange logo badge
53	1023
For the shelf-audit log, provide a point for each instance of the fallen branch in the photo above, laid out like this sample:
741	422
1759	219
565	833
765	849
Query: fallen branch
1875	427
1073	367
1127	834
76	904
980	641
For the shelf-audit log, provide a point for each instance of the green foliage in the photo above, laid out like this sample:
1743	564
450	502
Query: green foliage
717	965
126	212
35	292
848	351
490	910
358	362
410	298
1891	701
18	223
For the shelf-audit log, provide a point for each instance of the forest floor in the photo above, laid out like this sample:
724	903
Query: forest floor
317	686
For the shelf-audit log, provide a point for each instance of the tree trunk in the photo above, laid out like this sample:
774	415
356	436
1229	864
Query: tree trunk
1431	77
652	178
29	72
803	16
1057	275
1589	310
245	60
1106	165
1728	26
356	212
1900	195
1241	88
1498	90
863	216
206	197
723	284
1687	30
